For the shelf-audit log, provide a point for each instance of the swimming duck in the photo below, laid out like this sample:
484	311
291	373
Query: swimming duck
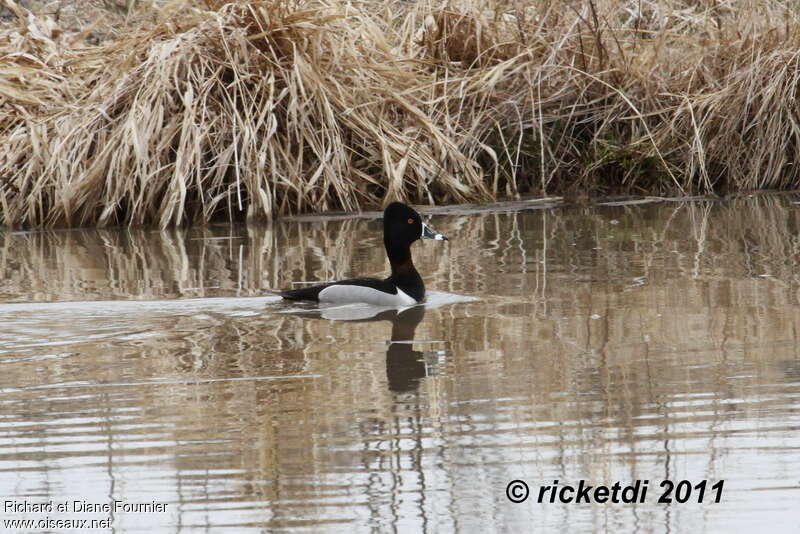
402	226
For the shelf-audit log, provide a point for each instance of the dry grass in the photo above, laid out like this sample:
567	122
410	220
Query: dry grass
259	109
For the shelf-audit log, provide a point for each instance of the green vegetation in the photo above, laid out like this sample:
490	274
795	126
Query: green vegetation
254	109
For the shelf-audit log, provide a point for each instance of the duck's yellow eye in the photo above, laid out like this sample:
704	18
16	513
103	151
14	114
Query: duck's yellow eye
411	221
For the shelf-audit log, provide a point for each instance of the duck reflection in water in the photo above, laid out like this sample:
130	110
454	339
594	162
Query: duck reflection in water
405	367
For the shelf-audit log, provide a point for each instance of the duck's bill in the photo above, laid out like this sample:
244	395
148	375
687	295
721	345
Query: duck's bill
427	233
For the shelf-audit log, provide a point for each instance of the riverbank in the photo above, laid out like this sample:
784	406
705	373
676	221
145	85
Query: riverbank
196	112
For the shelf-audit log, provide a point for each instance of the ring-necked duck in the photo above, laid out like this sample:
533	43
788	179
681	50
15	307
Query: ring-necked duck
404	287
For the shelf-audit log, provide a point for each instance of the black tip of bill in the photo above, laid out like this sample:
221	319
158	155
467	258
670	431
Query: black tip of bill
427	233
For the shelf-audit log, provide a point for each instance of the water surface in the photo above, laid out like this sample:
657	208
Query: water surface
606	343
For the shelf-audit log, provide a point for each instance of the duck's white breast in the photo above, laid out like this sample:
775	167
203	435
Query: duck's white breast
368	295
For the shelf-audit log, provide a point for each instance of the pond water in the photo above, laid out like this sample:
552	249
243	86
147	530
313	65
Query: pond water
603	344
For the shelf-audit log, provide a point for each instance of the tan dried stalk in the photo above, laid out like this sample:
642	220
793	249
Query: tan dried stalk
261	108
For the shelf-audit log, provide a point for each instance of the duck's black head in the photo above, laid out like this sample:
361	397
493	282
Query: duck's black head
402	225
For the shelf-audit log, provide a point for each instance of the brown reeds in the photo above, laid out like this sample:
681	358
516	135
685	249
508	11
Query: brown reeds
262	108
